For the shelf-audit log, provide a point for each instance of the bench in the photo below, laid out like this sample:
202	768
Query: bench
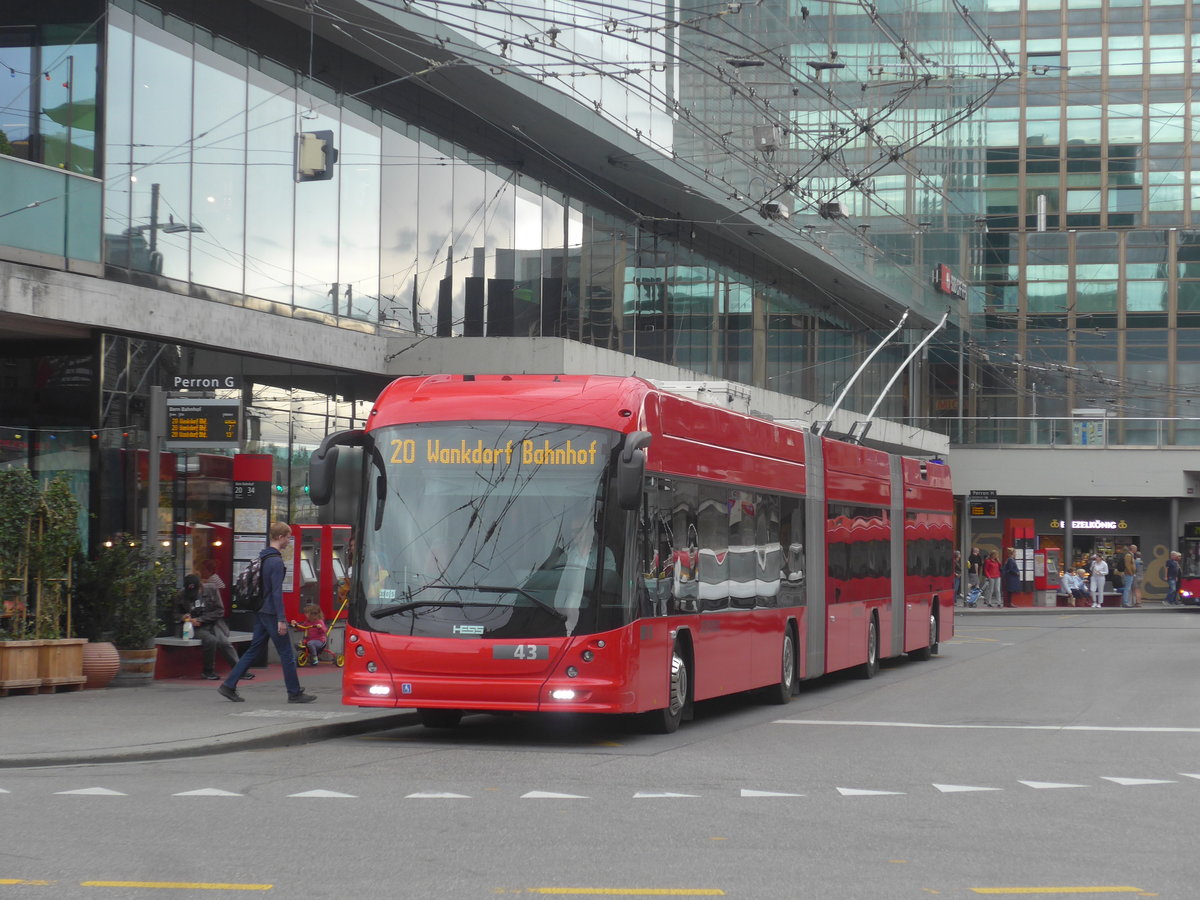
183	657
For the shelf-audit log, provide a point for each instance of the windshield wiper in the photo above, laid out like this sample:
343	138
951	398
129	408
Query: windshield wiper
396	608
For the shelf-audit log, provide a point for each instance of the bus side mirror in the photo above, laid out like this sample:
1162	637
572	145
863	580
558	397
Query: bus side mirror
335	477
631	469
322	465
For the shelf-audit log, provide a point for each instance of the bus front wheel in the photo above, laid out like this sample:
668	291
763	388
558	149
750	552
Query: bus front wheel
667	719
440	718
926	652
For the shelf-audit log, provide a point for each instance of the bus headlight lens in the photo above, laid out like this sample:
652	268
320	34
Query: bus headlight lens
371	667
562	694
572	672
587	655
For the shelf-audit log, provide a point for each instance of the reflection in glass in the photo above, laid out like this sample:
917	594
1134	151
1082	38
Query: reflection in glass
270	134
358	177
498	525
219	172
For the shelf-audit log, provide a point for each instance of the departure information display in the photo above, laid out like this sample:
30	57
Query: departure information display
203	423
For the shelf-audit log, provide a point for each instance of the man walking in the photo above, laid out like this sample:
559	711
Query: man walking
270	622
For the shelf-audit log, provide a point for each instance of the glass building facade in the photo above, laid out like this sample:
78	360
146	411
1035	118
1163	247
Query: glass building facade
1091	291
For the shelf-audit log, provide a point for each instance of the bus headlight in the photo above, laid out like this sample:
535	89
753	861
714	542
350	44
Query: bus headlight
371	667
379	690
562	694
572	672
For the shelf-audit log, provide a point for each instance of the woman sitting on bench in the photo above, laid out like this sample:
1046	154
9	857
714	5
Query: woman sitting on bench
203	608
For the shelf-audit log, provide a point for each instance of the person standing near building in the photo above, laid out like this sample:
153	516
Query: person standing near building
1126	560
1099	571
1173	573
974	569
1011	576
1139	575
270	622
991	580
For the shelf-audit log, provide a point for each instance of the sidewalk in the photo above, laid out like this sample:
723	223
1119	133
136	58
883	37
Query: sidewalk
179	717
1151	606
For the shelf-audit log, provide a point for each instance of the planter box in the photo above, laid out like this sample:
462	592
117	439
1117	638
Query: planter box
19	667
60	665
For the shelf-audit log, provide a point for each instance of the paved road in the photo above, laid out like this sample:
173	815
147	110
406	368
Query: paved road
1038	755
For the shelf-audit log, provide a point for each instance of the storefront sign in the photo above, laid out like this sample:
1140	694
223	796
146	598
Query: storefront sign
947	282
1091	524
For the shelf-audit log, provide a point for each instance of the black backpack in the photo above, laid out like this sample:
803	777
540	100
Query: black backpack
248	588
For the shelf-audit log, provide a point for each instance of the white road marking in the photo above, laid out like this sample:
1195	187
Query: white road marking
645	795
325	795
208	792
437	796
1148	729
749	793
857	792
94	792
1189	775
1048	785
962	788
1136	781
549	795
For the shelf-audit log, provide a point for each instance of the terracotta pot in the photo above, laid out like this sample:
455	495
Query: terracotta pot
100	663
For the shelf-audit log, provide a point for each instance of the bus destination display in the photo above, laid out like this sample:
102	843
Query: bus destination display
203	423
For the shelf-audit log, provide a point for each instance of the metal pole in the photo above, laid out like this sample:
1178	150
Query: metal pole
153	217
158	423
824	426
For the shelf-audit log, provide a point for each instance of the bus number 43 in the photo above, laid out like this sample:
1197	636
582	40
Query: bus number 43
521	651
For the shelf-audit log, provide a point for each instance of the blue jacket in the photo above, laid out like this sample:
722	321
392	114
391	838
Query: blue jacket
273	570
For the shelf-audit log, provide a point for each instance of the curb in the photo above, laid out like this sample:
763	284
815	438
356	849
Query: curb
305	734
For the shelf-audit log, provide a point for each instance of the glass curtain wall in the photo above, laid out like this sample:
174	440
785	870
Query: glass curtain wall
1087	259
412	231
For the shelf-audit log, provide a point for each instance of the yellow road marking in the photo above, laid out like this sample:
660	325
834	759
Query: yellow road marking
1078	889
630	892
180	885
23	881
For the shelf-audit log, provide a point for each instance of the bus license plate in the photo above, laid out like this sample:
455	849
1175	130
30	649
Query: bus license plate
520	651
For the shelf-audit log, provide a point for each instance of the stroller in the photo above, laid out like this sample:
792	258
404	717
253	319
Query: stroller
337	657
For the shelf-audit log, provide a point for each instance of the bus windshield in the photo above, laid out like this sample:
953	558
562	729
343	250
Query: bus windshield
491	530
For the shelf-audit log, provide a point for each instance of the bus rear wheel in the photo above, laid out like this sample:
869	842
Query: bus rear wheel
440	718
924	653
870	668
781	693
667	719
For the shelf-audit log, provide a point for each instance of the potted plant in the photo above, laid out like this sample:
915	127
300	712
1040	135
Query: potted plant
118	594
19	503
54	543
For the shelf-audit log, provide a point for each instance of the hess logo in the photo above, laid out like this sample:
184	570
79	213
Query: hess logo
468	629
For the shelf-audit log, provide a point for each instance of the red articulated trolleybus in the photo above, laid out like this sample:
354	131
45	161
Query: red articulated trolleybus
597	544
